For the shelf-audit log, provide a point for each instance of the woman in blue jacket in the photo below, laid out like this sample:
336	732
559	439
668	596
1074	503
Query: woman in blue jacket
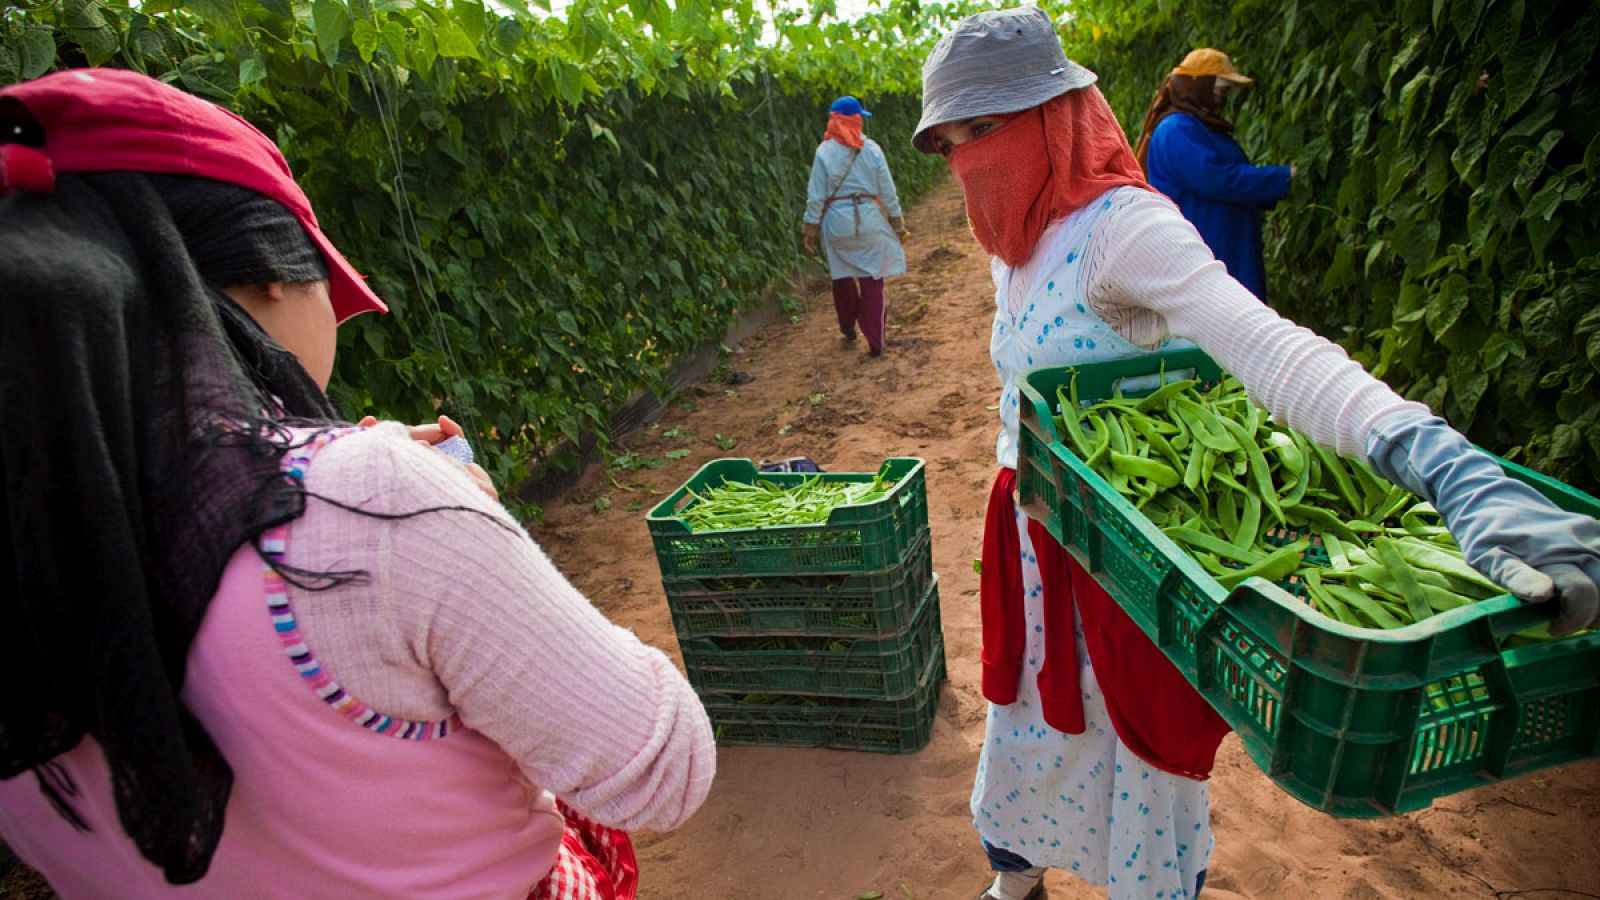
1188	155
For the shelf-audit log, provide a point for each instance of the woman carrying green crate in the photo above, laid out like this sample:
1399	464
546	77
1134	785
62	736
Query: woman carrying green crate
1097	751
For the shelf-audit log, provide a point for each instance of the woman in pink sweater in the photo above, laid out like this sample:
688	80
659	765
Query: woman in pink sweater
256	651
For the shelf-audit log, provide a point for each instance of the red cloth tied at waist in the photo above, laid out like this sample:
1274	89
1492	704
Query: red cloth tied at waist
1153	708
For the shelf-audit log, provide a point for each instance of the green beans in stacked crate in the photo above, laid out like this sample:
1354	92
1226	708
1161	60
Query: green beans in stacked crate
1325	614
758	504
806	606
865	536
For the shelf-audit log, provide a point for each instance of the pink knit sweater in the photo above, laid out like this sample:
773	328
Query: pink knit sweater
461	615
464	615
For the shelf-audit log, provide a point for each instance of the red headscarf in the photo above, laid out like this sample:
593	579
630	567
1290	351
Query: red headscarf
1038	167
844	129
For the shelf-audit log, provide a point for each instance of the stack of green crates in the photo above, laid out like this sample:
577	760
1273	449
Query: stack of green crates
809	635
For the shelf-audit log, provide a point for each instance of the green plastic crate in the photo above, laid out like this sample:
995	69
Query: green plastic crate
880	726
868	537
871	669
877	604
1356	722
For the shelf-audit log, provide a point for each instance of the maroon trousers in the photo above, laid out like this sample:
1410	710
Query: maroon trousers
859	301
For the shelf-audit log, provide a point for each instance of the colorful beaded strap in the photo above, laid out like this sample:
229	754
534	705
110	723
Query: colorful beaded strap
274	544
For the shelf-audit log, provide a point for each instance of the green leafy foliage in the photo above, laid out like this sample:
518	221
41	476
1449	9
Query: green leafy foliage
556	210
1443	223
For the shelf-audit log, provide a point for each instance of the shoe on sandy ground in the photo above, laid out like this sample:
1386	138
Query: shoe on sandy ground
1038	893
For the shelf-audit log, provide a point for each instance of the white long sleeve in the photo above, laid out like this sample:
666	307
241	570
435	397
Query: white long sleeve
1148	274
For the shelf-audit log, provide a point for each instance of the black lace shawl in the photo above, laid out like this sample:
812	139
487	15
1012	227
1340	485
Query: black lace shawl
137	459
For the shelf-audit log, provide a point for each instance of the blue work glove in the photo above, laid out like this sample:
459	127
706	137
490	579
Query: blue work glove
1507	530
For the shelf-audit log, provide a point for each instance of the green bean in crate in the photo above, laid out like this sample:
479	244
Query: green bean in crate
1355	548
866	537
737	504
1354	721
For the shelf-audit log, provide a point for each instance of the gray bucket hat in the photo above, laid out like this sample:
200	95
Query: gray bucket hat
1000	61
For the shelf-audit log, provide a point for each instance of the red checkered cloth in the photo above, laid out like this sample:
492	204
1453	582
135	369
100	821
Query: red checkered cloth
594	863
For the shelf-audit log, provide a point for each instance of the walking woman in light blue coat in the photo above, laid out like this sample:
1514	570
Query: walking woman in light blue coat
853	209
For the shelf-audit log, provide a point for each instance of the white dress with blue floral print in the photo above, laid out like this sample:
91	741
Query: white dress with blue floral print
1084	803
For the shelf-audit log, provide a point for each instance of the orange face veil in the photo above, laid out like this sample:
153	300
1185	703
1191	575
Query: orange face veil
1040	166
845	129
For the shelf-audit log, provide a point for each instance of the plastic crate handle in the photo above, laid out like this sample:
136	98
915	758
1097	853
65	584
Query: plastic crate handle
1524	615
1144	384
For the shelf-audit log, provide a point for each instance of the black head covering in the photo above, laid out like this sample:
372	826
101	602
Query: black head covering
154	411
1192	94
236	236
